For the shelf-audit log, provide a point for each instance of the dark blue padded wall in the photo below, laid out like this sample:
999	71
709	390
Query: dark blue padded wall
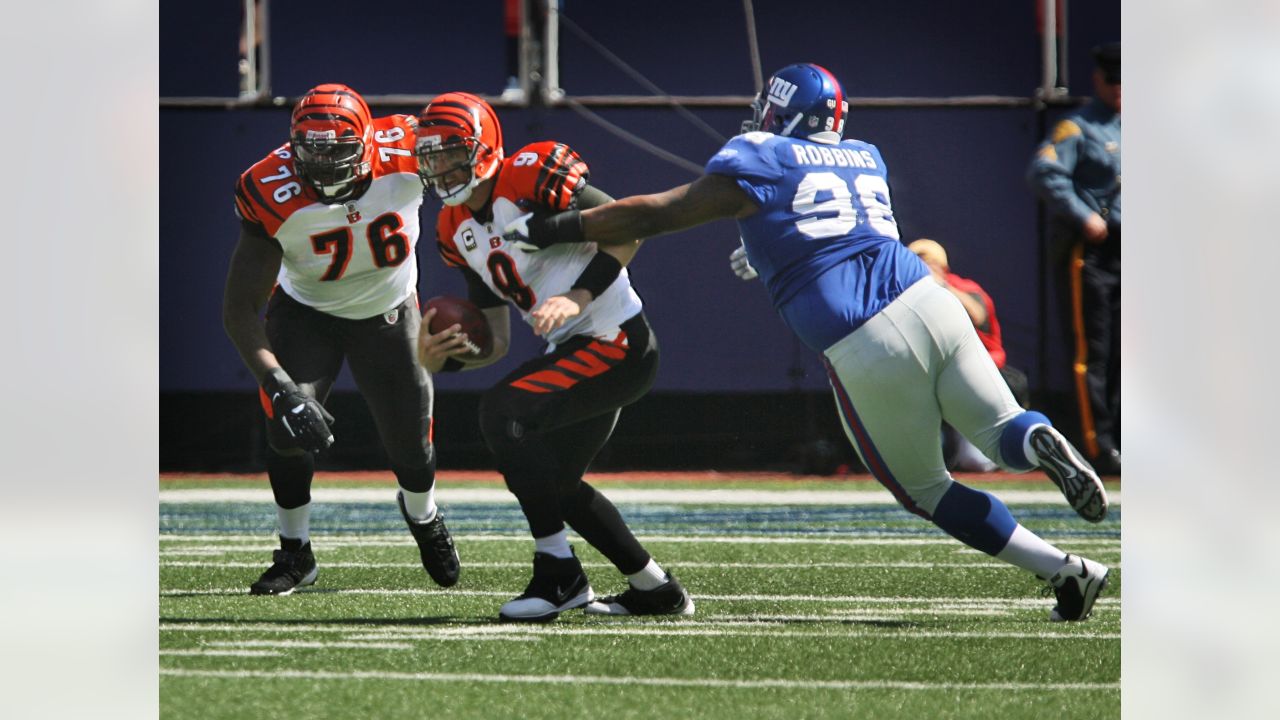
956	174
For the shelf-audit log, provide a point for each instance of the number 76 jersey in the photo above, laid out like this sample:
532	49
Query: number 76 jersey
824	240
353	259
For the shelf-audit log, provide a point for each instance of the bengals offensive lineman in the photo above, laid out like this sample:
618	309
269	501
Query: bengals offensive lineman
547	419
328	228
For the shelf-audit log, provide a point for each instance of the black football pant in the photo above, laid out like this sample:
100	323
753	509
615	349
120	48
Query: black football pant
382	352
546	421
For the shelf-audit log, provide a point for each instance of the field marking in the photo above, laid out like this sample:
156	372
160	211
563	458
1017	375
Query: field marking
223	653
758	684
427	592
630	496
792	566
403	540
243	644
750	625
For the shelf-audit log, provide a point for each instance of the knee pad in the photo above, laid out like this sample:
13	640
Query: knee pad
290	476
975	518
1013	439
416	479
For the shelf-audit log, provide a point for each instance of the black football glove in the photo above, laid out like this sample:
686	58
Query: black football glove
306	420
536	231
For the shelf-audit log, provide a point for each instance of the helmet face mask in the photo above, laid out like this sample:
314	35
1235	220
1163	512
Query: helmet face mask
459	146
448	168
331	166
331	137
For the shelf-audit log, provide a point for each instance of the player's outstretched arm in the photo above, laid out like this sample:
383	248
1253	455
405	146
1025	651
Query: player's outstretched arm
708	198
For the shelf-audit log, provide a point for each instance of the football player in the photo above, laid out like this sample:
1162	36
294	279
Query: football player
328	229
901	354
548	418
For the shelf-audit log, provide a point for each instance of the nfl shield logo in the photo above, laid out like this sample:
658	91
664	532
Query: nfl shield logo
392	316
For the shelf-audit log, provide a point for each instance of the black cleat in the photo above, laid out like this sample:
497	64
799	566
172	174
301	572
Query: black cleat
670	598
435	545
1076	479
293	566
558	584
1077	585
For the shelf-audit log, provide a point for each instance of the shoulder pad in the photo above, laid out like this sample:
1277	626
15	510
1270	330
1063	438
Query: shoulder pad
393	140
269	191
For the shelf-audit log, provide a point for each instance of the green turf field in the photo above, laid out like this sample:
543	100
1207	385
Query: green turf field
803	611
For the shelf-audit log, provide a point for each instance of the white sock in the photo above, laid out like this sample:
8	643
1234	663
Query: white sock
1031	552
649	577
1026	446
295	523
554	545
421	506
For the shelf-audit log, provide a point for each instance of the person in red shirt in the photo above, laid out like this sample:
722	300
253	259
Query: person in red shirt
982	311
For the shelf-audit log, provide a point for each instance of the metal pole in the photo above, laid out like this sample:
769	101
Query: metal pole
264	45
551	90
753	44
1048	49
249	56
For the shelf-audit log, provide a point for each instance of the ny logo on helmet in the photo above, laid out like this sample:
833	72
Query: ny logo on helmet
780	91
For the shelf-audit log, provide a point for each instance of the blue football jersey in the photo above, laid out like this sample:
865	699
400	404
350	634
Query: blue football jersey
824	241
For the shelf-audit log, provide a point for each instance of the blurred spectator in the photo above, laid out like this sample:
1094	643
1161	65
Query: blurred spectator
959	452
1076	172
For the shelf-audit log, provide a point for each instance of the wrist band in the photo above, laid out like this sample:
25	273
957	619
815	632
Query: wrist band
598	275
565	227
453	364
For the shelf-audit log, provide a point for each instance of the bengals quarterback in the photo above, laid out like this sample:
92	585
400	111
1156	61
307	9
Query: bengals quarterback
546	420
328	231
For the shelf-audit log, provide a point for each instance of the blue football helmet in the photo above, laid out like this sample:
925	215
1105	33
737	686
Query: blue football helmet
802	100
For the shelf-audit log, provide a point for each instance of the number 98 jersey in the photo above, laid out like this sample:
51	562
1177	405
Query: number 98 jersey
824	240
353	259
545	175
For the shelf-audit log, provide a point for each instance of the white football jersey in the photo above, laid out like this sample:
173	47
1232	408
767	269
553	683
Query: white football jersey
355	259
545	174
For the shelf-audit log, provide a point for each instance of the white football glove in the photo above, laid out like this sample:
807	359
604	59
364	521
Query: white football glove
517	233
740	266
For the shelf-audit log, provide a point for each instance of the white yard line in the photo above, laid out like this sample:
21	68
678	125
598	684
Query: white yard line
958	601
402	539
223	653
631	496
749	625
791	566
762	683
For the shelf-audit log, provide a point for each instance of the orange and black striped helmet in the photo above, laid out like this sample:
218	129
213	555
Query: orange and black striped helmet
459	145
331	136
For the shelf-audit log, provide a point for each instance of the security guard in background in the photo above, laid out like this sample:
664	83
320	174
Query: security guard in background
1076	172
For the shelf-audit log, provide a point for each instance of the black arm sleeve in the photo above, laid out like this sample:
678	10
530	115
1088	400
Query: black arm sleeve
478	292
591	196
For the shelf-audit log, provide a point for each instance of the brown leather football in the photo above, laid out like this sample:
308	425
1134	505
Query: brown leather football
459	311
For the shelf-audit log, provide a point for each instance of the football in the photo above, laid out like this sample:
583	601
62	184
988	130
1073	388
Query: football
458	311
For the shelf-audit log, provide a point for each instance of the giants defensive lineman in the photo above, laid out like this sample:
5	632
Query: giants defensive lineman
547	419
900	352
332	217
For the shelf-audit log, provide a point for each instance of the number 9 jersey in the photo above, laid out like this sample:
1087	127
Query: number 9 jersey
546	175
824	240
353	259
